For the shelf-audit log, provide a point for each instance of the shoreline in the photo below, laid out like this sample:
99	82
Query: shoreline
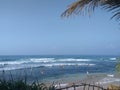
100	79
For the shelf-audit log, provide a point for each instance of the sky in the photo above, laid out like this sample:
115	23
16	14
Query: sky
35	27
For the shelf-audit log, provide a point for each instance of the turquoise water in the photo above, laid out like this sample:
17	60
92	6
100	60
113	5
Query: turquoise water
49	67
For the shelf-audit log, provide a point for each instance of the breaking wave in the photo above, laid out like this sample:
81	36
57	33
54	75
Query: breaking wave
46	62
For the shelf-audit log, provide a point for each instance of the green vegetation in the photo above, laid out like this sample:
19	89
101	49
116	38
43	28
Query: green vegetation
22	84
118	66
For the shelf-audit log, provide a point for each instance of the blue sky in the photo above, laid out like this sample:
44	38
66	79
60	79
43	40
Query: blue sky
34	27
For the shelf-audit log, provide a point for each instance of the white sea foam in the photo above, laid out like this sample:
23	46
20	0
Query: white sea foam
22	66
110	75
108	80
61	85
67	64
26	61
113	59
41	60
13	62
71	59
47	62
14	67
44	60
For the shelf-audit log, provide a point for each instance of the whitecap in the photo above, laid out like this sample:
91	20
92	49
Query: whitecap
113	59
67	64
44	60
108	80
13	62
75	60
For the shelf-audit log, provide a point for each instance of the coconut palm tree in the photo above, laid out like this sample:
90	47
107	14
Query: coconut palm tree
88	6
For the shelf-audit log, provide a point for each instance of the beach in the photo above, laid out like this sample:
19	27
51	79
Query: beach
61	70
99	80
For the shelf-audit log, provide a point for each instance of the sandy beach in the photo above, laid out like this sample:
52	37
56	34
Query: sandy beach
102	80
62	71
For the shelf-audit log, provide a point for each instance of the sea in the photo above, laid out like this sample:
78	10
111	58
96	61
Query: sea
50	68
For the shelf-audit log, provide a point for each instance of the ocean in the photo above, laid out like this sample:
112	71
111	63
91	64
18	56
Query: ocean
54	67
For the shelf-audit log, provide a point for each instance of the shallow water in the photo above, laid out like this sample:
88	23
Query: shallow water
56	68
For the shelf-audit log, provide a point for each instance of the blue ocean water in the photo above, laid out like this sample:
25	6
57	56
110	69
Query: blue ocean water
54	66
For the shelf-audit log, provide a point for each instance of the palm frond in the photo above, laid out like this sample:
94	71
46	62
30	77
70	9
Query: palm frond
87	6
82	6
114	6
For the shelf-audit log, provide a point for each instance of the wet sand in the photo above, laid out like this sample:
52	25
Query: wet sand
102	80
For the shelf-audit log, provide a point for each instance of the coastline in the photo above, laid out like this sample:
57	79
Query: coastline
99	79
62	70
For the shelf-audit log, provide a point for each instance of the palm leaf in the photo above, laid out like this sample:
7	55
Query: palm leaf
81	6
88	6
114	6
